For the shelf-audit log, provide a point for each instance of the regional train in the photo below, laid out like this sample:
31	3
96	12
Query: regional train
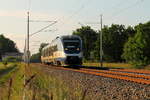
63	51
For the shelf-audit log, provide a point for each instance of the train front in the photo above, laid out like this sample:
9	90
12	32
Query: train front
73	50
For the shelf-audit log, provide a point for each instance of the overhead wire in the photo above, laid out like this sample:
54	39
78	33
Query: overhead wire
43	28
124	9
77	11
121	10
118	4
40	30
80	9
122	2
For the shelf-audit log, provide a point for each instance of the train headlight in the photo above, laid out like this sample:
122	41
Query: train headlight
66	48
78	49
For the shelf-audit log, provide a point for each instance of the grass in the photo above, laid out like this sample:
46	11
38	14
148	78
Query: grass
6	72
147	67
1	66
115	65
110	65
47	87
44	87
41	87
12	71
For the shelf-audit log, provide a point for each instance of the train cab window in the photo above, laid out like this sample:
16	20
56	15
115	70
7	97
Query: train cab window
55	48
72	46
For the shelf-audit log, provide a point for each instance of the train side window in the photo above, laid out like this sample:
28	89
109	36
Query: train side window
44	53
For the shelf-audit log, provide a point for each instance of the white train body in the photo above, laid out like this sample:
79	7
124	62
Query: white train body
64	50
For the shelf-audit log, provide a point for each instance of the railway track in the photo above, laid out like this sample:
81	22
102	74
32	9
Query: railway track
137	76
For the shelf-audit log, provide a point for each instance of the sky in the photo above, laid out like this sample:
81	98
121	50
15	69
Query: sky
69	14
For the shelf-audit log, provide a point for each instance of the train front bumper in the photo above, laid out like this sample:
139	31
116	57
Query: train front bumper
73	60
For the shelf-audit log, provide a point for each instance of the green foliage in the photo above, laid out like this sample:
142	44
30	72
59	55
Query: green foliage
114	38
14	72
89	37
11	59
35	58
7	45
42	46
137	49
6	73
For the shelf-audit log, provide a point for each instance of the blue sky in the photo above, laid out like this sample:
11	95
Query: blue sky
68	13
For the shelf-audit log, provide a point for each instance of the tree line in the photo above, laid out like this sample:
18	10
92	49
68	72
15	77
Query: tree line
120	44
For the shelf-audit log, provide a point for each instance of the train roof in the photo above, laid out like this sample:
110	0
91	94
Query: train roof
62	37
70	36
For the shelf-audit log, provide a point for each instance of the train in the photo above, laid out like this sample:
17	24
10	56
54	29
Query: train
63	51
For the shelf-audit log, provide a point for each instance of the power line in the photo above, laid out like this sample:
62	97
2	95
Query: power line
77	11
81	24
50	30
131	6
80	9
41	21
124	9
43	28
122	2
120	11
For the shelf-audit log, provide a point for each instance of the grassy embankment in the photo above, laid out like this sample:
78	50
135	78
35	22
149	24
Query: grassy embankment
11	81
39	85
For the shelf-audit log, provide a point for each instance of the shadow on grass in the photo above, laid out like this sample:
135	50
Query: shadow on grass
6	73
95	67
87	67
6	70
73	66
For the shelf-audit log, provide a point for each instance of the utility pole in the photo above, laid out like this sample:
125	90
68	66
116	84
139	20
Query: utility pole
28	52
100	39
101	43
27	56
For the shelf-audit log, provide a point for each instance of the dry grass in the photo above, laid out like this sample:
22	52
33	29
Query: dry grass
147	67
110	65
115	65
44	87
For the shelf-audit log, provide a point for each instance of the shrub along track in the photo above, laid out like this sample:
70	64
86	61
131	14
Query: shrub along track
137	76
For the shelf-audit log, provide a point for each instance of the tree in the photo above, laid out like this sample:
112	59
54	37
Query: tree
130	31
114	38
7	45
89	37
37	56
137	49
42	46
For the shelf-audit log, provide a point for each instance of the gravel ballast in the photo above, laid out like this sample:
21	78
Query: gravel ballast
97	87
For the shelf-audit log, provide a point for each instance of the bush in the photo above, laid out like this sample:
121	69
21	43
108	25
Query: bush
11	59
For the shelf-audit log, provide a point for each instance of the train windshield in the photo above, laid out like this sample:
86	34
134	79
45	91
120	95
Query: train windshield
72	46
